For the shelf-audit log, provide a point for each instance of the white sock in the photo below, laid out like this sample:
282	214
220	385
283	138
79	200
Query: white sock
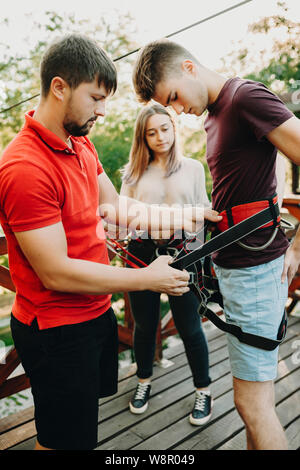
205	392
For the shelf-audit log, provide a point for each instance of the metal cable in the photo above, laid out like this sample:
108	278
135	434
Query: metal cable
136	50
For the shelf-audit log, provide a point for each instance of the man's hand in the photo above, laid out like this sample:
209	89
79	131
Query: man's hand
291	264
160	277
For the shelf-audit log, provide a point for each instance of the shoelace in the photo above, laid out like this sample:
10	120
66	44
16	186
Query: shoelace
141	391
200	402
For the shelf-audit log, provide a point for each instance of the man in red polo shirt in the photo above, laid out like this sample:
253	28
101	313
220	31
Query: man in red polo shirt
51	185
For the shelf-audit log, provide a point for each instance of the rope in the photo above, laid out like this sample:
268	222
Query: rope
215	15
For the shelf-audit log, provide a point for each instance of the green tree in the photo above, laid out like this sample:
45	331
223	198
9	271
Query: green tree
113	142
277	65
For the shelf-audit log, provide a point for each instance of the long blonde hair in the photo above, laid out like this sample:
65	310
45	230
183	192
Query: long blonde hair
141	155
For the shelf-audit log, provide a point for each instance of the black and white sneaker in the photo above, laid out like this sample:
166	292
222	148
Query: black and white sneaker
139	402
202	408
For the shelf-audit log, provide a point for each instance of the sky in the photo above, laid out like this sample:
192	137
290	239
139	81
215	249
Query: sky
210	41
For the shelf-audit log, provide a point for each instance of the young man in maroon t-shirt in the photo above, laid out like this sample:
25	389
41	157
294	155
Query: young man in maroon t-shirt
245	126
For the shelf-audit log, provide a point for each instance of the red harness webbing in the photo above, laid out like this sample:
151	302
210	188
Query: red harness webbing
117	246
238	213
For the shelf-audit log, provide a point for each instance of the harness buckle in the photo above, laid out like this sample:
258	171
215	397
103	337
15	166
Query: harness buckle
192	279
169	250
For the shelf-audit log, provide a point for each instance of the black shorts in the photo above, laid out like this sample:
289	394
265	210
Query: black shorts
70	367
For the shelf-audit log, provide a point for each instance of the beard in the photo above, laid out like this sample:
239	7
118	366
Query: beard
74	129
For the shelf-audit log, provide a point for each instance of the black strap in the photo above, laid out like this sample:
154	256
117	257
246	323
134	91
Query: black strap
222	240
226	238
249	338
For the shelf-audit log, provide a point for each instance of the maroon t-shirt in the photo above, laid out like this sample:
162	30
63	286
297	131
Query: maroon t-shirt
242	161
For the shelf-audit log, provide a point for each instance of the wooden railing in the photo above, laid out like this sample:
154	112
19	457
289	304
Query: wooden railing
11	360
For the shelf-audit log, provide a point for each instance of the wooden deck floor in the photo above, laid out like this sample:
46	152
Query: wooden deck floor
165	426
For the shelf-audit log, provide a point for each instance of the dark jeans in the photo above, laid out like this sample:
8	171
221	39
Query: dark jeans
145	308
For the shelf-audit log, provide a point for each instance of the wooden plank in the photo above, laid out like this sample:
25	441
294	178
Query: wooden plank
15	419
232	422
182	429
175	354
29	444
28	430
173	409
286	411
213	345
283	353
131	434
17	435
167	390
21	418
172	435
293	435
161	380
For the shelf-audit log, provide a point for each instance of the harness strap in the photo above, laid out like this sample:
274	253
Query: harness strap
236	214
249	338
209	290
231	235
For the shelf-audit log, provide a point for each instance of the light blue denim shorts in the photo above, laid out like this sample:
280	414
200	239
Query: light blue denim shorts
254	299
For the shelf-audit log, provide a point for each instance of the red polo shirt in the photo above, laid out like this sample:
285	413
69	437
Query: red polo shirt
44	182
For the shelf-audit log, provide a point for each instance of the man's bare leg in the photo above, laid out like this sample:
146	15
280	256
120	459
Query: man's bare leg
255	404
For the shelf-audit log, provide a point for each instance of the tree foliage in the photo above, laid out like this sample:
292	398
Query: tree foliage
20	74
113	142
277	64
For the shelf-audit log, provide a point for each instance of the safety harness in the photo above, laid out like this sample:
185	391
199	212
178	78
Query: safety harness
195	256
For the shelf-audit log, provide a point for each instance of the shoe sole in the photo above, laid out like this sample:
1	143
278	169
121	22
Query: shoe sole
137	411
201	421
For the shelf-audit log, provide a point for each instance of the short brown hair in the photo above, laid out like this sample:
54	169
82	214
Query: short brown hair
155	62
77	59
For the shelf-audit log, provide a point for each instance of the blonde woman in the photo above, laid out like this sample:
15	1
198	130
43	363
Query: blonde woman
158	174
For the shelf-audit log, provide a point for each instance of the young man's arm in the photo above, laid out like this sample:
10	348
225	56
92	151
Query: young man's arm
47	252
127	212
286	138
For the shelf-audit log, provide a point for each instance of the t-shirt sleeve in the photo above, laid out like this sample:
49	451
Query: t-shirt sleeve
201	197
261	109
94	151
29	197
